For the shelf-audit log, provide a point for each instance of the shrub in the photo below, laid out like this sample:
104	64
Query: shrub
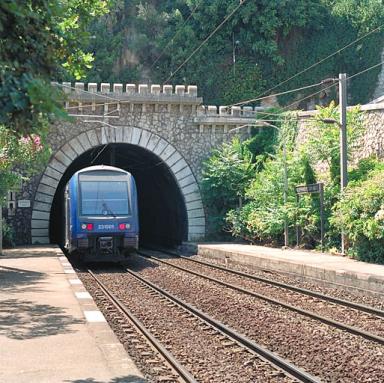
360	212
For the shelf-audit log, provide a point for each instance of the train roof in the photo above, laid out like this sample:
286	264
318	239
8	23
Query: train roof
102	167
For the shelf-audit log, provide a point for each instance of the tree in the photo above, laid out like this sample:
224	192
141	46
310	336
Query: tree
40	40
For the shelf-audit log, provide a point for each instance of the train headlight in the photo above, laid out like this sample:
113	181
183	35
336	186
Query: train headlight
89	226
83	226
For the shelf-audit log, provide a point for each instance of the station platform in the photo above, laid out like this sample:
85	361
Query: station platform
322	266
50	328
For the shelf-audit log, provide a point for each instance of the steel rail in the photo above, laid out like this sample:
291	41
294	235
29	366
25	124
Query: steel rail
272	358
312	315
343	302
170	359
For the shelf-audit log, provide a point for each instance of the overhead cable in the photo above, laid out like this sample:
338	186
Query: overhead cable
212	33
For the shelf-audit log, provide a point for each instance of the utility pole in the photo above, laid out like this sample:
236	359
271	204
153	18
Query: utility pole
343	142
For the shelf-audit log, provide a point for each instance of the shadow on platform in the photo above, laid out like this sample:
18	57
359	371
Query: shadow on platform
15	280
23	319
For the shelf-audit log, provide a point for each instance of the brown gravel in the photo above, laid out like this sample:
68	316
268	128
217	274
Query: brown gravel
349	293
206	353
352	317
332	354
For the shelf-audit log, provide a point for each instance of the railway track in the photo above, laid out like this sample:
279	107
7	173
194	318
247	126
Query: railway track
374	317
160	363
332	354
248	361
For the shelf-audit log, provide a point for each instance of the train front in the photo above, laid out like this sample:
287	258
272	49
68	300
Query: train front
105	215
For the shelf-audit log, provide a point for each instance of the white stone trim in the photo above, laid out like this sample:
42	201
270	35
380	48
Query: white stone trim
151	141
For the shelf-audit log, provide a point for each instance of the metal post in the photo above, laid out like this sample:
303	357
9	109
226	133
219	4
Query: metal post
321	194
1	228
286	240
343	141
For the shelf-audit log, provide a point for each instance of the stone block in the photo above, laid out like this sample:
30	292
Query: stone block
41	215
192	91
92	137
196	213
79	87
50	172
155	89
69	152
200	229
118	88
161	145
130	88
152	142
173	159
167	152
57	165
143	88
190	188
67	87
168	90
105	87
180	90
41	206
187	181
49	181
39	224
212	110
136	133
119	134
92	87
40	240
194	205
191	197
84	141
60	156
127	134
183	173
181	164
104	135
145	135
46	189
201	111
39	232
235	111
44	198
76	146
223	110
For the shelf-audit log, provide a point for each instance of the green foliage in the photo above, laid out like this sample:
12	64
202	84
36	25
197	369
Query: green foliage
270	40
8	234
37	40
226	174
360	212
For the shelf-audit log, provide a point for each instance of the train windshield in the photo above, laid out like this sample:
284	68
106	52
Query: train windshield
104	198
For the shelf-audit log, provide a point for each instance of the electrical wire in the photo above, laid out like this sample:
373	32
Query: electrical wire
313	65
212	33
174	36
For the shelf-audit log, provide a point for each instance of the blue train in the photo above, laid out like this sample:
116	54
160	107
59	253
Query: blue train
101	214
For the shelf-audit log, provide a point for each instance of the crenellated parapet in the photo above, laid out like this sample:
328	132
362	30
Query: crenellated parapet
107	100
80	91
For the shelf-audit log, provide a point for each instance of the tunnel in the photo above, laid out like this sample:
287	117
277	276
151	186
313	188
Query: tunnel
162	212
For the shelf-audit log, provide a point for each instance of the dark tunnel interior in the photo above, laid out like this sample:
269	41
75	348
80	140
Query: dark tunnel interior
162	214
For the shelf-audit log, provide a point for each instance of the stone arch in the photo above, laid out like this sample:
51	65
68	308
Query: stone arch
78	145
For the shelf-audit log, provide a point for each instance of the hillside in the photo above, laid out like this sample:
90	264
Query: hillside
270	40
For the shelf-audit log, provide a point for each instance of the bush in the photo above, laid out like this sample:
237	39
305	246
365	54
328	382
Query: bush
360	212
8	235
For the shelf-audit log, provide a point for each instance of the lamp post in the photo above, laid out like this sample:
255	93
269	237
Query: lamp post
285	189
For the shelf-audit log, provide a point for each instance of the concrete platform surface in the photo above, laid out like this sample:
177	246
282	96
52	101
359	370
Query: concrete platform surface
50	329
324	266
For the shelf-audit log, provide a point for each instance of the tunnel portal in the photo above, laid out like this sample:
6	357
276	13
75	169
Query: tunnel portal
162	212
